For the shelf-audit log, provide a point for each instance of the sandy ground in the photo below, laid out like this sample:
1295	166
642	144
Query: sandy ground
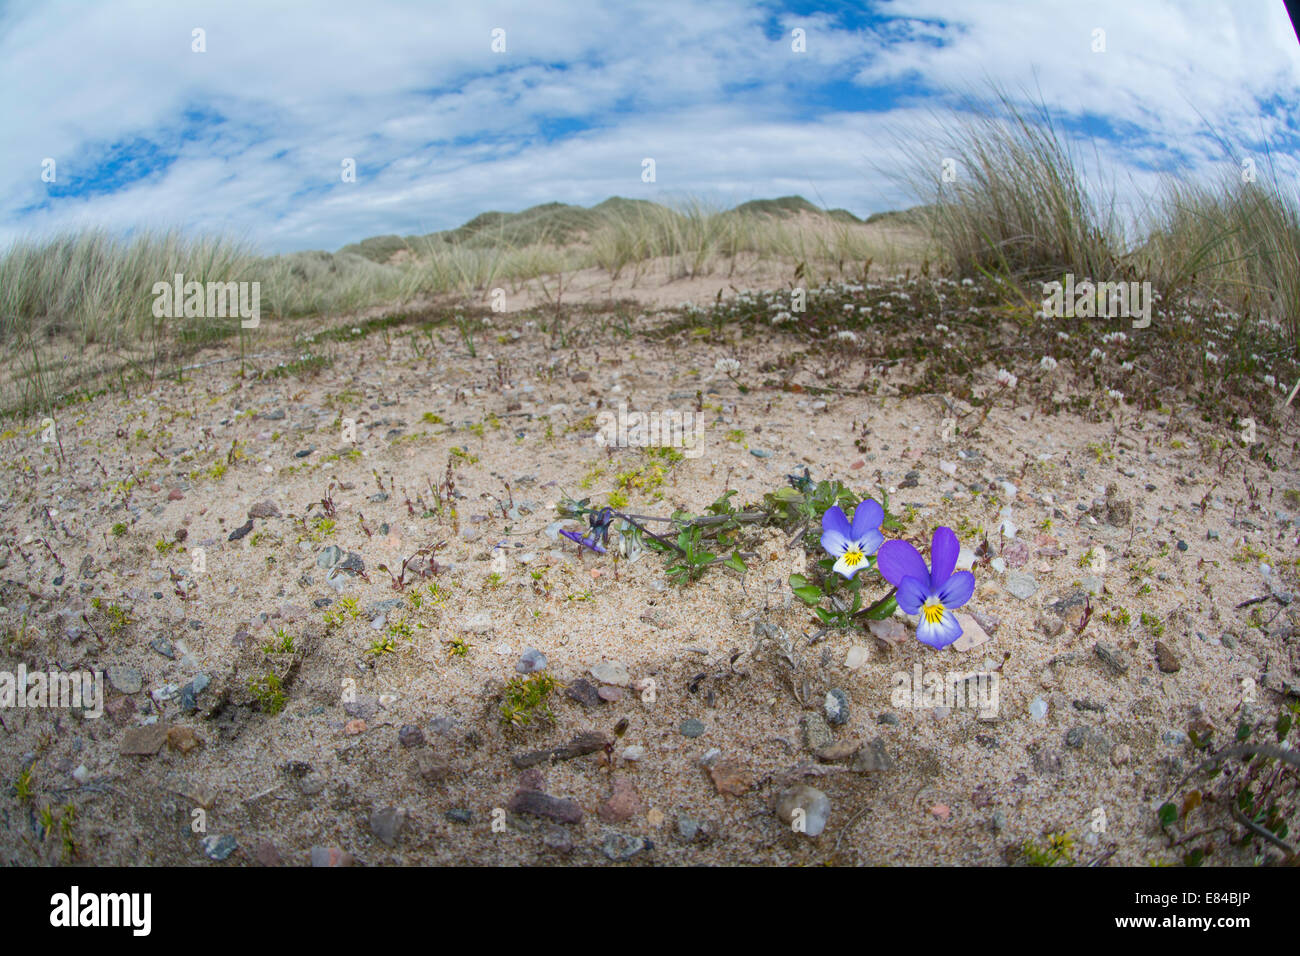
400	757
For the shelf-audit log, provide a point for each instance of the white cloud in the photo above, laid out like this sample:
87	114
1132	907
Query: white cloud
442	128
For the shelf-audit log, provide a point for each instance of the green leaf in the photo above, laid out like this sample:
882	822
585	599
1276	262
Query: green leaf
809	594
826	616
1167	814
736	563
1283	726
883	608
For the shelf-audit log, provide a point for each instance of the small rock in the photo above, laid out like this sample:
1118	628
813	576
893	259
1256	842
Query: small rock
1166	660
837	707
623	804
620	847
691	727
182	739
1038	709
242	530
1022	586
1113	657
144	741
329	856
218	847
538	804
264	509
612	672
584	692
125	680
387	825
531	661
872	758
410	735
1120	755
816	733
805	808
729	778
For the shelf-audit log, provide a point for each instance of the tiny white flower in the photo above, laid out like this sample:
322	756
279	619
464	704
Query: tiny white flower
1115	394
1006	379
1270	381
1097	354
1048	363
726	365
1063	336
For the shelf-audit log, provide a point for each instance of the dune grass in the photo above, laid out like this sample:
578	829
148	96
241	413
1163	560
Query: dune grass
1020	208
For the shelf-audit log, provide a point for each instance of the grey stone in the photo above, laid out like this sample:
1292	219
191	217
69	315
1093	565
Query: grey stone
837	707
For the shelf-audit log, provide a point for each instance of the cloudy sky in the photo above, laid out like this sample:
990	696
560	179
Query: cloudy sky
249	137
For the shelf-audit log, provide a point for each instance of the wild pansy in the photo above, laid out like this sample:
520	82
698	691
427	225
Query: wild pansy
852	543
598	536
931	592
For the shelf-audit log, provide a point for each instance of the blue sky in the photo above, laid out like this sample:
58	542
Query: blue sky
248	138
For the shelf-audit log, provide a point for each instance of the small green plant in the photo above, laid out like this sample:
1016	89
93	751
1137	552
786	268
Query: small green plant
1119	617
526	700
119	529
23	787
1057	850
381	646
1152	624
164	547
281	644
268	690
458	647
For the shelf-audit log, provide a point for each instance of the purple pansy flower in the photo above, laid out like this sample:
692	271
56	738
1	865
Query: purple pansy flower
851	543
589	542
599	534
930	592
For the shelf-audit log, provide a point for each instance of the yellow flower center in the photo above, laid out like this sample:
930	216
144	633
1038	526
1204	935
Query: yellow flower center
932	611
853	557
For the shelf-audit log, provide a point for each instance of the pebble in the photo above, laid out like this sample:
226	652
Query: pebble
329	856
620	847
1121	755
623	804
1038	709
634	753
1113	657
857	656
805	808
729	778
837	707
816	733
872	758
1022	586
531	661
584	692
387	825
410	736
1166	660
691	727
538	804
125	680
612	672
218	847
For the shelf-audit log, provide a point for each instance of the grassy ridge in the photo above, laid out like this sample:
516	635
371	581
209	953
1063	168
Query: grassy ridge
1019	210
